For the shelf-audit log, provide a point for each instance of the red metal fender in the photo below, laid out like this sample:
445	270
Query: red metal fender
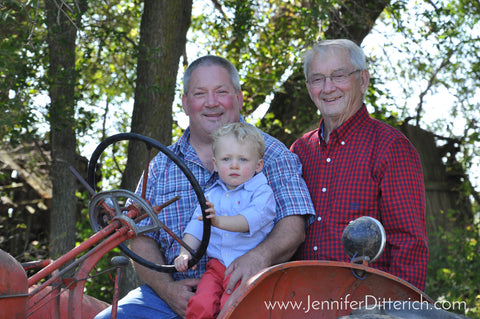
13	287
316	289
53	304
17	302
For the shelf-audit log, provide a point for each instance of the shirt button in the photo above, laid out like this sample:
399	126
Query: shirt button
319	218
227	195
315	248
329	160
324	190
342	142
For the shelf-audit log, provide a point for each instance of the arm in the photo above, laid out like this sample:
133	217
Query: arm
237	223
402	207
175	293
181	262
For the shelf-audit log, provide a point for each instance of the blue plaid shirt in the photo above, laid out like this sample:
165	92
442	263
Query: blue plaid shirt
165	181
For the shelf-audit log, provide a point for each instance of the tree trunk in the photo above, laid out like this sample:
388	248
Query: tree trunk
61	24
163	33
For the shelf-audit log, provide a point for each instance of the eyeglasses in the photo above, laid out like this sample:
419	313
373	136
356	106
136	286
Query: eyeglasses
318	80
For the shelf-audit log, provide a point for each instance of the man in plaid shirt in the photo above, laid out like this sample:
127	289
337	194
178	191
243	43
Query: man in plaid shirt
357	166
212	97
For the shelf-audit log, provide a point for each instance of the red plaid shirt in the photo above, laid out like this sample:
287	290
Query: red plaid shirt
367	168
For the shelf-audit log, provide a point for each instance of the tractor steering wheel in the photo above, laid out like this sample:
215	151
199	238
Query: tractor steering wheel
99	221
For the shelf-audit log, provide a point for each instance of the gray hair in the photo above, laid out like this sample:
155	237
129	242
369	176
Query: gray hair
243	132
209	60
357	56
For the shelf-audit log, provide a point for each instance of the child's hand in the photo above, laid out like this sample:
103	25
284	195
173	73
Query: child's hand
210	214
181	262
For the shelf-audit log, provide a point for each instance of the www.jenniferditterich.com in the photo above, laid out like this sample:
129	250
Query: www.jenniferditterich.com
368	302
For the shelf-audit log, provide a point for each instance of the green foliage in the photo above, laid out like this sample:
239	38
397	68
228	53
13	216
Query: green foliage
20	63
258	37
107	51
454	270
106	63
431	69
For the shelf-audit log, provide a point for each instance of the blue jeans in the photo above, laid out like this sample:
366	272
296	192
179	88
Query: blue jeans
141	302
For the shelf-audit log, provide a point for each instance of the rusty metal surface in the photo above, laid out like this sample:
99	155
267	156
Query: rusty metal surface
13	287
316	289
55	304
36	297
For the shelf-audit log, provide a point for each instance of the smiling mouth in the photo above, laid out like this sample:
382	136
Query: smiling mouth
332	99
213	115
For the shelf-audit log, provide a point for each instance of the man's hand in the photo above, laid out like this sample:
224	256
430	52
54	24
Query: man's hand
179	292
244	267
279	246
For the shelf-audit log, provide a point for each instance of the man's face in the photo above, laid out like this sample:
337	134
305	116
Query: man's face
211	100
336	101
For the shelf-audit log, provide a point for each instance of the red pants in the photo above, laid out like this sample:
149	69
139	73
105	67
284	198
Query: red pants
210	296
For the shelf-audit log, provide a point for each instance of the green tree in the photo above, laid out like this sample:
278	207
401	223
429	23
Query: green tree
20	51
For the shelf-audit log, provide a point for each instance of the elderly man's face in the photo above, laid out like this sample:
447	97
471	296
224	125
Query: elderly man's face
336	99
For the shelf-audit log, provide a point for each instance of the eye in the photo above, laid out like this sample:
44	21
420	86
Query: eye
243	159
225	159
338	76
317	79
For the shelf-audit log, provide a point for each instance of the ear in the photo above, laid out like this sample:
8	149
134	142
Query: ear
364	80
215	168
185	104
240	99
259	166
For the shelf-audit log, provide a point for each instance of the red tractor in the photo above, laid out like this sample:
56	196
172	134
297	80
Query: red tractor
299	289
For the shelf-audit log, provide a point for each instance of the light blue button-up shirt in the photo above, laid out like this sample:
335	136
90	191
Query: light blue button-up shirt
254	200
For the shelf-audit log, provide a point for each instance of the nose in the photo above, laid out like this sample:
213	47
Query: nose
328	85
211	99
234	164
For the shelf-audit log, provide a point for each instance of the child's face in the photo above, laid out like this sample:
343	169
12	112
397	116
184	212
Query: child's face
236	162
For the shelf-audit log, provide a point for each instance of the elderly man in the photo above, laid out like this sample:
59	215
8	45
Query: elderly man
357	166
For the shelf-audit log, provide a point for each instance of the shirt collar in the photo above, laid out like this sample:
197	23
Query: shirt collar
183	141
353	123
